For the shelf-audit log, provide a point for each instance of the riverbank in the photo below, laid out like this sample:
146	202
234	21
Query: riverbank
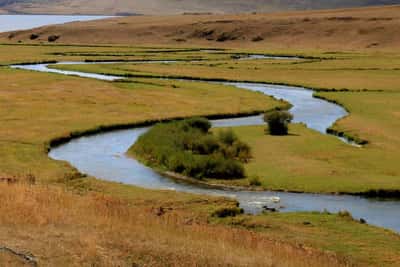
316	164
271	174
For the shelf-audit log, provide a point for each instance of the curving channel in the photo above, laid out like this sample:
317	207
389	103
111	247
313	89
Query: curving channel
104	156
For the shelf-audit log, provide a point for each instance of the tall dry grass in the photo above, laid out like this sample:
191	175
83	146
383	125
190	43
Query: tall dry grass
60	227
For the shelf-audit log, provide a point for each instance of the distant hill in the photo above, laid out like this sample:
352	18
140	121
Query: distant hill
371	28
176	6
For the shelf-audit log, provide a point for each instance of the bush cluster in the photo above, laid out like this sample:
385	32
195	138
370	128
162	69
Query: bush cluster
278	121
189	148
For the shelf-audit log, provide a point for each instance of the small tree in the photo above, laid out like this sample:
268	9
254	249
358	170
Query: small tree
278	121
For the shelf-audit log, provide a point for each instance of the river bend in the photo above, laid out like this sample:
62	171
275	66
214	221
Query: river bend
104	156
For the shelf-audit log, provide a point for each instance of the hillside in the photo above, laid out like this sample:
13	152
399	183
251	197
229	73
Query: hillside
176	6
372	28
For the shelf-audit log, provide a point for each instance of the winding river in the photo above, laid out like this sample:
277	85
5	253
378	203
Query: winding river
104	156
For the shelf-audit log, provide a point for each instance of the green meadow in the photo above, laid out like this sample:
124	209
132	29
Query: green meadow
367	85
89	216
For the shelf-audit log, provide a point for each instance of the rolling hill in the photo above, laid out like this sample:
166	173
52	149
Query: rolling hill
176	6
371	28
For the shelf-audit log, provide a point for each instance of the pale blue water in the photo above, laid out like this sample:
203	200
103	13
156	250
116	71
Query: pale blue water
24	22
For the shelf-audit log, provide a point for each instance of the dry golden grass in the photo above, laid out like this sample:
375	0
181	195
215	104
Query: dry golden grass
61	228
374	28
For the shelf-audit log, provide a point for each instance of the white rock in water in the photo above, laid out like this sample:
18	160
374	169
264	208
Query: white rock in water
276	199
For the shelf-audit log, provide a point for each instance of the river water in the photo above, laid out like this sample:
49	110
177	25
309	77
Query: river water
24	22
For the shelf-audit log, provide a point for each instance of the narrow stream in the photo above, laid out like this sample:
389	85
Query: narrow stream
103	156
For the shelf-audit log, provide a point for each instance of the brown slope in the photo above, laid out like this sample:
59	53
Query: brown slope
370	28
178	6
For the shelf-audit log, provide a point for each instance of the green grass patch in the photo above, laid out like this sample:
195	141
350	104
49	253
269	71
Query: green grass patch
307	161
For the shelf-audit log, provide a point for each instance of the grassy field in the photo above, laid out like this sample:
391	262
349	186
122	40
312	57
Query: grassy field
341	71
120	225
62	228
362	83
69	219
48	106
307	161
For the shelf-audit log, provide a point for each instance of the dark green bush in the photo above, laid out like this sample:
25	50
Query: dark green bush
33	36
257	39
278	121
242	151
254	181
187	147
206	145
227	137
53	38
200	123
227	212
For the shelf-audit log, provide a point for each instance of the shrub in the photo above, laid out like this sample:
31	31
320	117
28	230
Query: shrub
257	39
227	137
278	121
226	36
254	181
33	36
206	145
242	151
226	169
53	38
199	123
187	147
176	163
227	212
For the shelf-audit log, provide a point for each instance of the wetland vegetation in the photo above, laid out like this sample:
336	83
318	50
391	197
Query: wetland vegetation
374	165
187	147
